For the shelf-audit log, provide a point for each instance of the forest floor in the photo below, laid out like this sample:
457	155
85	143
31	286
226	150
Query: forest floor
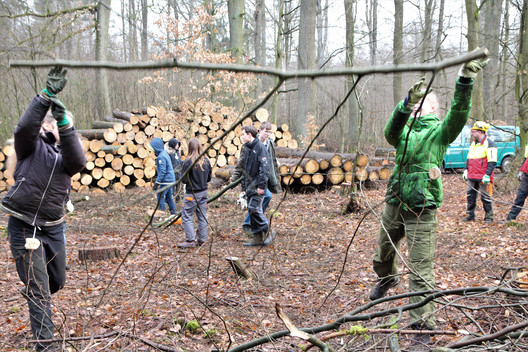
318	269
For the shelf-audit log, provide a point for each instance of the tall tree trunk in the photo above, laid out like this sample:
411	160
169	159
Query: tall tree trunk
144	30
260	33
352	122
235	9
472	12
427	31
278	58
124	15
371	14
397	50
491	10
210	39
322	31
502	79
440	32
101	50
132	31
306	101
522	76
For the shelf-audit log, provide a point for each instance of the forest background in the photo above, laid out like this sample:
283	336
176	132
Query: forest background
316	35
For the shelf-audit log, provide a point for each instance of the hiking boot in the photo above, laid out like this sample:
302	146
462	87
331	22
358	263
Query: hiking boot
187	244
199	243
246	230
269	238
256	241
380	290
488	218
420	342
469	218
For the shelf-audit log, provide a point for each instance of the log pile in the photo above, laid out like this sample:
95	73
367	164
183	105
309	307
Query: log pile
117	148
323	168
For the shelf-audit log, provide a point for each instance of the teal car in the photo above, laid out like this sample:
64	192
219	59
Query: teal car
506	138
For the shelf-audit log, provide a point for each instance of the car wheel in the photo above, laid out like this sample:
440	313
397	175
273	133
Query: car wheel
507	164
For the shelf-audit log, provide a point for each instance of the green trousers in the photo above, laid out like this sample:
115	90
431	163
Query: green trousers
419	226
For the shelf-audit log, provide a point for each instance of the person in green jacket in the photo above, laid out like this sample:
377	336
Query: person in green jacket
414	189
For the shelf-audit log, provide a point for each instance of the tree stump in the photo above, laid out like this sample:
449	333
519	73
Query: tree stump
98	253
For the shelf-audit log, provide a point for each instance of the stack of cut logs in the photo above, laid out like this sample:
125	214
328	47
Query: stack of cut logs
318	168
118	153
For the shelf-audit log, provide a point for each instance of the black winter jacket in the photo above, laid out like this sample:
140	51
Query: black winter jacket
255	166
43	171
196	180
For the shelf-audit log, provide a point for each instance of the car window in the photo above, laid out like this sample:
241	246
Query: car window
501	134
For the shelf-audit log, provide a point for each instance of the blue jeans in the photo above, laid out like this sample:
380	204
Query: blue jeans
265	203
43	271
166	196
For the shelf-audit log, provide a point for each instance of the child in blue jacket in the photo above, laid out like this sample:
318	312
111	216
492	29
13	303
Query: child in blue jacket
165	175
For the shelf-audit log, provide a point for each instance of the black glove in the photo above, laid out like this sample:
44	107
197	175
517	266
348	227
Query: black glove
156	186
56	81
58	110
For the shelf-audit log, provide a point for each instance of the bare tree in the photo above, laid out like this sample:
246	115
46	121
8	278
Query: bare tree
144	29
397	50
472	12
101	49
521	85
306	61
491	10
371	15
322	31
260	33
236	26
352	120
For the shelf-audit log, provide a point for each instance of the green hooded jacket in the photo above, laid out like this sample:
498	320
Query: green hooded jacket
427	142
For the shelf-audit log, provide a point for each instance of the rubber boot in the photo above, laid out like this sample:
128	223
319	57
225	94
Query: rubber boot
256	241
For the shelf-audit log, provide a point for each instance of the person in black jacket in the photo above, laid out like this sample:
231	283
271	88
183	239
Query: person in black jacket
256	168
196	195
36	201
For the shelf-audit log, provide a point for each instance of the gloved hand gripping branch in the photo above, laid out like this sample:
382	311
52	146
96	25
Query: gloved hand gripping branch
470	69
55	82
58	111
416	92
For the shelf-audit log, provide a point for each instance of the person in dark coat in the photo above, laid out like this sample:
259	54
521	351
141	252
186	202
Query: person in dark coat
172	147
256	169
36	201
196	194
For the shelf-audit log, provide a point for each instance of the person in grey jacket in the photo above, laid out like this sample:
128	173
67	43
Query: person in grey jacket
36	201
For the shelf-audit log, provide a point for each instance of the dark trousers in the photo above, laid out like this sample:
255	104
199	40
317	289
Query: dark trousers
474	188
43	271
257	220
522	193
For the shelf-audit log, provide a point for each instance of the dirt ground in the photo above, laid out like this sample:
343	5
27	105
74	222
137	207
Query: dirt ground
318	270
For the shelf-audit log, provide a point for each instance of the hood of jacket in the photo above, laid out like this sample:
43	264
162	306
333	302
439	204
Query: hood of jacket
157	145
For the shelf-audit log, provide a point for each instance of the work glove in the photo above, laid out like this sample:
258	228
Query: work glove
58	110
242	200
464	175
415	94
156	186
486	179
69	206
56	81
520	176
470	69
